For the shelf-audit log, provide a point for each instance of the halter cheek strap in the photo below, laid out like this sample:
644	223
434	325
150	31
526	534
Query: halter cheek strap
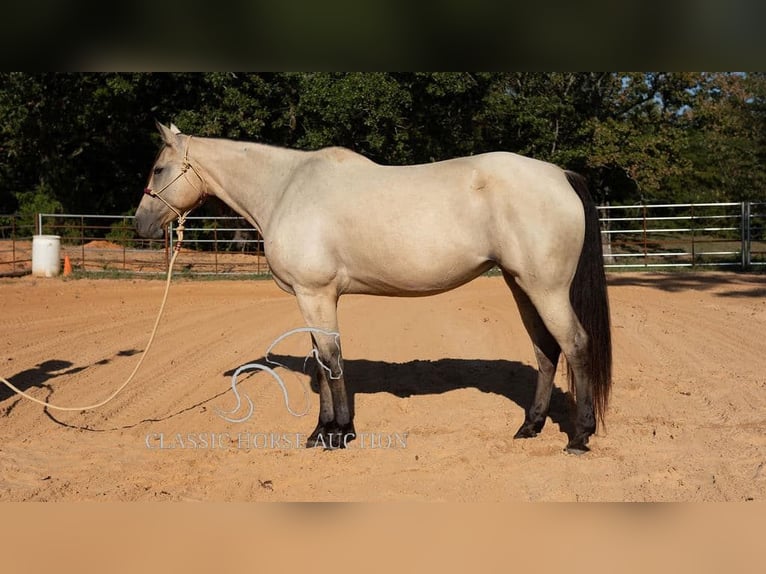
185	167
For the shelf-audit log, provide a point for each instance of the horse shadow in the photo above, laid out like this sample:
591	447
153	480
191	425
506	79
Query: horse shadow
511	379
39	375
742	285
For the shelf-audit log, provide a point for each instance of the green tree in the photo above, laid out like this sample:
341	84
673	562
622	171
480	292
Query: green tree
727	133
363	111
85	142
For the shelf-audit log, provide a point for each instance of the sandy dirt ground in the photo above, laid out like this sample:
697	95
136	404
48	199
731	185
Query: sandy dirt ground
439	384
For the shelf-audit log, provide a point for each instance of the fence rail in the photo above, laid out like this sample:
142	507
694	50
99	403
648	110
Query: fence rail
684	235
725	235
15	246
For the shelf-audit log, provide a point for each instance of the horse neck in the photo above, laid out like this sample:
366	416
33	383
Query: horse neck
248	177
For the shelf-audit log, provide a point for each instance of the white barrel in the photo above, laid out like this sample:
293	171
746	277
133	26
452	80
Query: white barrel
46	255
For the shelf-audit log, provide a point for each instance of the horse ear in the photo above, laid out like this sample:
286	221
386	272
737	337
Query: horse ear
169	137
174	129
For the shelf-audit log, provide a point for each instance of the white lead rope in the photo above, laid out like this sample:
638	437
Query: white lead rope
180	234
247	367
179	231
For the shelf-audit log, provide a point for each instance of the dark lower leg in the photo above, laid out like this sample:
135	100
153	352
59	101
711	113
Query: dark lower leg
331	435
326	411
585	426
537	412
335	428
585	419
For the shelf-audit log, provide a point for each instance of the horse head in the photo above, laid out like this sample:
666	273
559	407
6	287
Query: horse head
175	185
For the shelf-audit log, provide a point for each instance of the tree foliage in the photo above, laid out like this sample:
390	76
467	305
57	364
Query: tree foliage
84	142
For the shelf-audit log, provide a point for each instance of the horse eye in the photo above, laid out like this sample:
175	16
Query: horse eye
157	170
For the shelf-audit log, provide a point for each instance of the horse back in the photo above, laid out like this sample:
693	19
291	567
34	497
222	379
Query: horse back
420	228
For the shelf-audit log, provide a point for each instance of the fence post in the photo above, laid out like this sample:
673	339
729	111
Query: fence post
13	241
82	240
693	225
606	236
215	246
644	224
745	235
124	245
39	224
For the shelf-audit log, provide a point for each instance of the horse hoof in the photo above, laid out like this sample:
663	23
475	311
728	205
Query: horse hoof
332	438
336	441
530	429
314	442
576	449
525	432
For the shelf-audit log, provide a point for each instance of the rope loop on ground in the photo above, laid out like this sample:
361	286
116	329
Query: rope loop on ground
52	406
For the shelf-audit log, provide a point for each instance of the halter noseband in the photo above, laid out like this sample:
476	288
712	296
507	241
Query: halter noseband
186	166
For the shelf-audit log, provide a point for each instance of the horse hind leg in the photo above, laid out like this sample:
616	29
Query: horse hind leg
555	309
335	427
547	352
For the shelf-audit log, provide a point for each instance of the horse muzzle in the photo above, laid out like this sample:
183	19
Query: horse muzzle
148	226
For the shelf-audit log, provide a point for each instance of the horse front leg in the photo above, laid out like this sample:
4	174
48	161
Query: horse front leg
326	410
335	428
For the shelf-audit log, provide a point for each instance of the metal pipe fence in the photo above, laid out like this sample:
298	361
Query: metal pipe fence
108	244
701	235
684	235
15	246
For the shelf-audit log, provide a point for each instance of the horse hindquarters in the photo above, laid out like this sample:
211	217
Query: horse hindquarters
575	319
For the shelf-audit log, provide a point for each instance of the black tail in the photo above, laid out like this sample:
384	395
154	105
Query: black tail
591	303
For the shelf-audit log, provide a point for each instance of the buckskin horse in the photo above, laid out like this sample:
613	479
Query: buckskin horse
331	218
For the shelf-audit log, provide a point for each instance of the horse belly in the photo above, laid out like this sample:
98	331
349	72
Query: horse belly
413	268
